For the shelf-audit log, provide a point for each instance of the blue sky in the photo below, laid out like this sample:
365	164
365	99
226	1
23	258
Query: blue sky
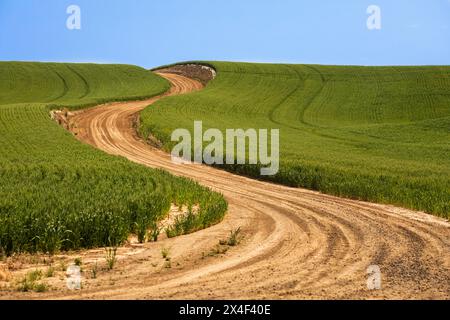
152	33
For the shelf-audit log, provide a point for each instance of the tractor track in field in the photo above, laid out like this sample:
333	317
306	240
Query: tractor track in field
297	244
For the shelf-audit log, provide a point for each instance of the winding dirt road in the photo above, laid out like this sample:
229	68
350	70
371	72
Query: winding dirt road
297	244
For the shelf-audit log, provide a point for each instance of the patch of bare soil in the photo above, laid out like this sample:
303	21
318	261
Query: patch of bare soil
62	118
297	244
201	73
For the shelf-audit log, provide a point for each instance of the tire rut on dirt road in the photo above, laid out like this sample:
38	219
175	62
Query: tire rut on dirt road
297	243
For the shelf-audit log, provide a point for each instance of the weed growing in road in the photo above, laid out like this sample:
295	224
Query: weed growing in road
78	262
224	245
63	266
110	257
218	250
234	238
94	271
165	253
41	287
50	272
29	282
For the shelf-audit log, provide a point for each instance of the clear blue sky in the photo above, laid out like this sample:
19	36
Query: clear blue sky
156	32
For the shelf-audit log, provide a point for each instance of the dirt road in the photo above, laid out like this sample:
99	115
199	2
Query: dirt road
297	243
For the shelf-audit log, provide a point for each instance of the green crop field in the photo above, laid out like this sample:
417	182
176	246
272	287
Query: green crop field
373	133
59	194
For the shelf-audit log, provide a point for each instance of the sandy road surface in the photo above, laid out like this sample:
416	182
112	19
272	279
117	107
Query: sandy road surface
298	243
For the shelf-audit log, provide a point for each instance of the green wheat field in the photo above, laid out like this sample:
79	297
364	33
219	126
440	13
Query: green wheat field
59	194
380	134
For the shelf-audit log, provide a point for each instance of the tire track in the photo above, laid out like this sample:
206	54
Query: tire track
87	88
65	87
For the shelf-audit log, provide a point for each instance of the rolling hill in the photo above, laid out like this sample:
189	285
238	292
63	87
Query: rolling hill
380	134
